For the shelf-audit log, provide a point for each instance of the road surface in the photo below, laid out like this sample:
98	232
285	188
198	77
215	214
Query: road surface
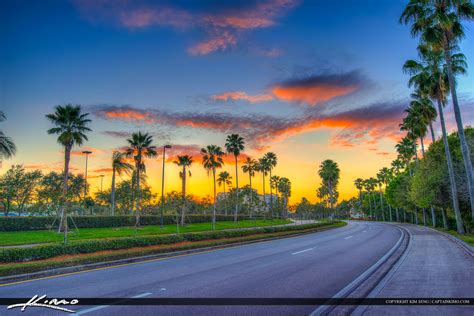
308	266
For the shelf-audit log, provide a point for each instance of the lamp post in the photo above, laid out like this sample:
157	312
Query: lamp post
87	153
163	185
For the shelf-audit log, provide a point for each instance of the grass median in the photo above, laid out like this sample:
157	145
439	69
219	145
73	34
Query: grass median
50	236
55	256
468	238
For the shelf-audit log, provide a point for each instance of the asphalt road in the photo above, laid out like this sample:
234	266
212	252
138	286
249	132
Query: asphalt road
309	266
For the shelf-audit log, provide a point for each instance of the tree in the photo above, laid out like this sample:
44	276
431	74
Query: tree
140	147
284	186
119	166
71	127
329	173
17	187
7	146
183	162
235	145
250	166
224	179
271	160
359	184
431	78
263	167
439	23
212	160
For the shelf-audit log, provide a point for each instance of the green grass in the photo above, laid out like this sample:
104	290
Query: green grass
27	267
50	236
469	238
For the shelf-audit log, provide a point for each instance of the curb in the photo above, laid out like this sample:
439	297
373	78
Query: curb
461	243
117	263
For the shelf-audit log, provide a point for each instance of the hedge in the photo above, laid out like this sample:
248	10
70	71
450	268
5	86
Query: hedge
8	255
50	222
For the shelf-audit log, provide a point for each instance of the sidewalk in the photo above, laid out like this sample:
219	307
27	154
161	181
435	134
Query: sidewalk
434	266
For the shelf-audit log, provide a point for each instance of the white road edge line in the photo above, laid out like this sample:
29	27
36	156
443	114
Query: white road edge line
93	309
356	282
348	237
295	253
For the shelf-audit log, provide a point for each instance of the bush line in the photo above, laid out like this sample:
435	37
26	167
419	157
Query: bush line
51	222
9	255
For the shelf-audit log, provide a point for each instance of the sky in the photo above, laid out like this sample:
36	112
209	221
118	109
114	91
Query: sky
307	80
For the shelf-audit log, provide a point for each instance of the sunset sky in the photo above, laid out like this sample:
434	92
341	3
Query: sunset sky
307	80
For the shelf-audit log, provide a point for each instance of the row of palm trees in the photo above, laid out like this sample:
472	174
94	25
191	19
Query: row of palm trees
439	26
71	126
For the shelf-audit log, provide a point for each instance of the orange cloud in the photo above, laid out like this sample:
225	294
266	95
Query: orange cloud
311	95
240	95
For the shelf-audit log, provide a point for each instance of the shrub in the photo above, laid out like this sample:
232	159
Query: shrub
81	247
50	222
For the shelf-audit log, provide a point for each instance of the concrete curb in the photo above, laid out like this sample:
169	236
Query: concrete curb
461	243
110	264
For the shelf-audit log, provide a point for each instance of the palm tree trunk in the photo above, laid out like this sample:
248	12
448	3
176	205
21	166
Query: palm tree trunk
370	205
112	199
433	217
381	204
424	216
67	159
404	216
433	139
422	147
390	212
271	194
397	215
237	189
214	208
452	178
264	200
183	190
416	216
137	214
445	221
462	138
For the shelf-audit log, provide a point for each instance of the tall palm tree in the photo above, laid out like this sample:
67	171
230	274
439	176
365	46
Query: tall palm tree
224	179
439	23
271	159
140	147
284	187
234	145
212	160
406	149
430	76
415	124
329	172
381	179
425	109
274	181
183	162
368	187
119	166
263	167
359	184
385	174
70	124
250	166
7	146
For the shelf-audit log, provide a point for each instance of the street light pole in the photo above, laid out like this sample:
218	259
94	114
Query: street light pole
87	153
163	185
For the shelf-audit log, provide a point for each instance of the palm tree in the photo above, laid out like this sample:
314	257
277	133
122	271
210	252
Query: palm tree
234	144
7	147
368	187
70	126
271	159
250	166
381	179
329	173
224	179
263	166
274	181
212	160
406	149
415	125
359	184
430	76
184	162
425	109
284	187
385	174
119	166
140	147
439	23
